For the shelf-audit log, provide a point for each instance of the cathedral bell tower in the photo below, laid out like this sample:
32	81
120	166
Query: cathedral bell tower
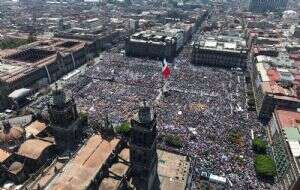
143	156
64	120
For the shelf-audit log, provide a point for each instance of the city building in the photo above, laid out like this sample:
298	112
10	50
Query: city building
26	145
267	5
151	45
21	154
275	83
159	42
100	37
40	63
284	137
220	51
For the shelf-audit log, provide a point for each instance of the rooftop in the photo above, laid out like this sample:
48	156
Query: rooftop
21	62
221	43
172	170
82	169
118	169
278	77
290	125
162	34
35	128
16	167
42	180
15	134
4	155
30	55
280	61
33	148
287	118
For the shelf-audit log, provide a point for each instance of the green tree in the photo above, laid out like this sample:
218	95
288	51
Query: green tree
173	140
123	129
83	116
264	166
259	146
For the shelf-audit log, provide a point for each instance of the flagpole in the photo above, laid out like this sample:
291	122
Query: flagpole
163	81
162	76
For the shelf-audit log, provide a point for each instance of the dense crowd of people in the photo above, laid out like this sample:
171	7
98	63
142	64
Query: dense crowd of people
204	106
207	109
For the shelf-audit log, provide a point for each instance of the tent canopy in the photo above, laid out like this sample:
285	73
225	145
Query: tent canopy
20	93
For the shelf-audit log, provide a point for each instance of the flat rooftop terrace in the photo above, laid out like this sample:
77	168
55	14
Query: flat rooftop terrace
31	55
173	170
221	43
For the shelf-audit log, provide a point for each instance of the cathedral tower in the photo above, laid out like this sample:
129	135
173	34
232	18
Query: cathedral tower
143	156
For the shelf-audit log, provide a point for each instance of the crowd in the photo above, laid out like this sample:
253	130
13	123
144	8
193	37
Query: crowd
206	109
115	87
205	106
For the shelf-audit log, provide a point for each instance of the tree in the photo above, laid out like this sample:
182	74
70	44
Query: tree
236	138
83	116
259	146
173	140
264	166
123	129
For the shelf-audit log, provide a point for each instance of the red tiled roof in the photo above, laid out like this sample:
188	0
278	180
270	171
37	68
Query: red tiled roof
287	118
